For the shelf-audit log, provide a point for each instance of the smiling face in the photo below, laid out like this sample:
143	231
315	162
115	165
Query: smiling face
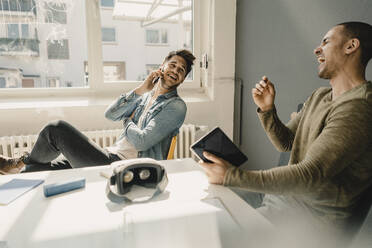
330	53
174	72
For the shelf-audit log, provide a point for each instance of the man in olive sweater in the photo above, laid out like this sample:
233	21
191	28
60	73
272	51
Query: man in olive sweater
330	168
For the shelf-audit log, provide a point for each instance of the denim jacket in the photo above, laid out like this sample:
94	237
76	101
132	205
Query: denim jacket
162	121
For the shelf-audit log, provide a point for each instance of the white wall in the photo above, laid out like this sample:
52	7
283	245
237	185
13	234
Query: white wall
277	39
215	110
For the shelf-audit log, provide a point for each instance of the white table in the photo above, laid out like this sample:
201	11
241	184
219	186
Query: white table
86	218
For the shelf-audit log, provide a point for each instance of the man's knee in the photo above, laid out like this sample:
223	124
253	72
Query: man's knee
55	126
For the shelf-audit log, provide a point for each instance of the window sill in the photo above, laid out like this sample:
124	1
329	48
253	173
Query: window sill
157	44
188	95
107	8
110	43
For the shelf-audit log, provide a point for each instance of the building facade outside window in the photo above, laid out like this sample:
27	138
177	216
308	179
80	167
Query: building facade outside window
48	39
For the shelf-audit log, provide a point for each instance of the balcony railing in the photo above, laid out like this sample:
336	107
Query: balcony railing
12	47
18	6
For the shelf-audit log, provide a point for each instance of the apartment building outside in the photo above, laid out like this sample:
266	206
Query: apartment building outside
43	43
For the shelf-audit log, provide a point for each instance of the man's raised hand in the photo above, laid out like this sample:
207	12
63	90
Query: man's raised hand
264	94
149	82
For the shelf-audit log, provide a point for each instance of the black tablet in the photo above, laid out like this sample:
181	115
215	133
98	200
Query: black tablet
217	143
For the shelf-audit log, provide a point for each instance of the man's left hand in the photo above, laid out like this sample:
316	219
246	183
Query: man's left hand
216	170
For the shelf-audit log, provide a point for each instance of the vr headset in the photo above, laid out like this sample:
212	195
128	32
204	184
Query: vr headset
136	180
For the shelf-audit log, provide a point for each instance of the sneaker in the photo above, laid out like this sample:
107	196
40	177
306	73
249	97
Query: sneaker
10	165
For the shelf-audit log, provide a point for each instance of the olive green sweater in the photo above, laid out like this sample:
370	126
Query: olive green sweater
331	155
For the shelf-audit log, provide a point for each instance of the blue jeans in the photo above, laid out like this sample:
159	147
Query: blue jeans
59	137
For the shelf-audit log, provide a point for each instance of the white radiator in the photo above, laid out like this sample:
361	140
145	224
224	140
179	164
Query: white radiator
15	146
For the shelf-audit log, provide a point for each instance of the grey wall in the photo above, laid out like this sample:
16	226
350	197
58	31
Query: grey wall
276	38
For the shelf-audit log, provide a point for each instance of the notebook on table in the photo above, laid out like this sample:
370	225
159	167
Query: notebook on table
15	188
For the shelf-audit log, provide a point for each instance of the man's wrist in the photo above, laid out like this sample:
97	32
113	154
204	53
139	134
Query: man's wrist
226	178
266	109
142	89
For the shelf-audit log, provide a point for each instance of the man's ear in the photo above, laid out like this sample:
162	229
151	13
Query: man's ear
352	45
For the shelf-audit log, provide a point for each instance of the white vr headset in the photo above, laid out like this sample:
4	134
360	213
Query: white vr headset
136	180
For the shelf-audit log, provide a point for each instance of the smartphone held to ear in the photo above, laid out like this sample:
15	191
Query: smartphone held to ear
155	80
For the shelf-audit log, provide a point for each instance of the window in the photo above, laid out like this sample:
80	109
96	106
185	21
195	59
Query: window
28	83
156	36
58	49
152	67
112	71
148	32
22	5
55	13
25	31
53	82
107	3
55	53
149	68
13	31
108	35
2	82
10	77
38	41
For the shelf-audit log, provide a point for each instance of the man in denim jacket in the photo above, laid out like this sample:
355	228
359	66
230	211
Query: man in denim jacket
152	114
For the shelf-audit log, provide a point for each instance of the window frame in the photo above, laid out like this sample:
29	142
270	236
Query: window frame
97	86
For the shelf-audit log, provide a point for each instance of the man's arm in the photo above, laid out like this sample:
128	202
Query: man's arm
170	118
341	142
280	135
125	106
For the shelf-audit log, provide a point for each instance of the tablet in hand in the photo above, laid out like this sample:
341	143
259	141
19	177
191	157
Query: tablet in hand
217	143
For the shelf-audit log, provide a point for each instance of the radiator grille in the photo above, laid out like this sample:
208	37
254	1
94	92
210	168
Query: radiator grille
14	146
